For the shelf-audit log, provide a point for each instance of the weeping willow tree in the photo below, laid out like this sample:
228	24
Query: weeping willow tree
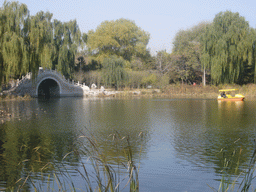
54	44
41	49
113	70
14	56
227	48
29	42
67	40
251	67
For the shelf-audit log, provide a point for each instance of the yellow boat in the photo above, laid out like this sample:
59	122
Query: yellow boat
229	95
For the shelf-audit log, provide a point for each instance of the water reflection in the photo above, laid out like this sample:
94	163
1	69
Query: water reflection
43	131
174	131
30	140
113	120
203	129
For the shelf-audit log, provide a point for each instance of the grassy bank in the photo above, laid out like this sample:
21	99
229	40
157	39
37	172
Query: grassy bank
188	91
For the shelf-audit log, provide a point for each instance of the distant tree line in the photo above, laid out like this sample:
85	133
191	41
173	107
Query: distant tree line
217	52
222	50
115	54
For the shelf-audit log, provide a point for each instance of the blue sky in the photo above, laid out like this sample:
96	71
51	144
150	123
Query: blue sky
161	18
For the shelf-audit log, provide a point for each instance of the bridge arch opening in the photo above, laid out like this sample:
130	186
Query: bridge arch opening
48	88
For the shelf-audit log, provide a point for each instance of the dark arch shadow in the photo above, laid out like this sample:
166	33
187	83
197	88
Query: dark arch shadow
48	88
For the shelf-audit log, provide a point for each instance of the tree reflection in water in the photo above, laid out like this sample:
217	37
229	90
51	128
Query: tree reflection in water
207	133
31	144
191	130
27	151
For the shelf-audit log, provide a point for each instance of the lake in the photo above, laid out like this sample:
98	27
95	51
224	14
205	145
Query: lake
178	144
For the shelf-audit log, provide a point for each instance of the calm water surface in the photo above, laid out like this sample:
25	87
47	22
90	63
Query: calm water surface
183	145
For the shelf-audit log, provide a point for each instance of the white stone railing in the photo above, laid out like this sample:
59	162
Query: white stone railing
28	77
26	80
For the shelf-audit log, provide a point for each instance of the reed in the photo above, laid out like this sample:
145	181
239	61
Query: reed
247	181
228	184
97	172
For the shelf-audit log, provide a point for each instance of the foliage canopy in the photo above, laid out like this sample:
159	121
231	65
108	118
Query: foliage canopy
121	37
224	49
29	42
187	49
227	48
113	70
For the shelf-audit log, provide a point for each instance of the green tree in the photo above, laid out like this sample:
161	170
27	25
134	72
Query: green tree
135	78
121	37
41	49
13	34
227	48
54	44
29	42
187	48
68	39
113	71
252	56
149	80
163	62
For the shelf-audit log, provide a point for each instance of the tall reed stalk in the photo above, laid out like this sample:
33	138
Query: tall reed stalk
227	184
247	181
97	172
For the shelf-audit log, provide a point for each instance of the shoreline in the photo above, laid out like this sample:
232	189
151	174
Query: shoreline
189	91
171	91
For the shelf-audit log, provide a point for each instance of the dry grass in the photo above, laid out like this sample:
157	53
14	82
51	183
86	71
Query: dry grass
188	91
11	97
191	91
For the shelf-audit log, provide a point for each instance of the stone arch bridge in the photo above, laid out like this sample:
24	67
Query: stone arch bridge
49	83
